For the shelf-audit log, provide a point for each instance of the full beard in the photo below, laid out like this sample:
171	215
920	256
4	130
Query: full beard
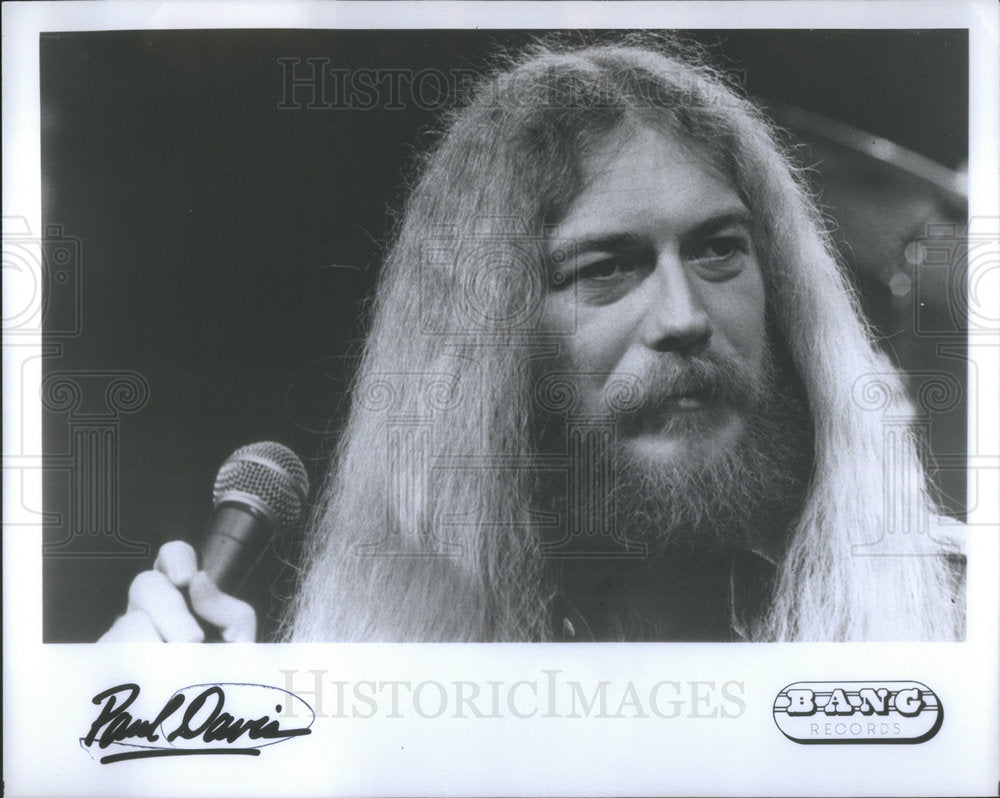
743	495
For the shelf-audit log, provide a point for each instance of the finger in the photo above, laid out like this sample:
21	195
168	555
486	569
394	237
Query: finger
236	619
178	561
152	593
132	627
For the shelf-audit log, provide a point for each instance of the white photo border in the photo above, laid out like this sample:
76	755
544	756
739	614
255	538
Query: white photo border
48	688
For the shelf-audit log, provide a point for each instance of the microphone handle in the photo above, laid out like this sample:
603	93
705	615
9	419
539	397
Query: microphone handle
235	539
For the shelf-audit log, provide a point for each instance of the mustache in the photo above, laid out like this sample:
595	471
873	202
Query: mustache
712	378
632	400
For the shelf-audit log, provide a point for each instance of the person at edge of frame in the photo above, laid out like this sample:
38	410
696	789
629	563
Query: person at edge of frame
648	430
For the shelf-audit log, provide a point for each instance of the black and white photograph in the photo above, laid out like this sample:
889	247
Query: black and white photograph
509	437
584	340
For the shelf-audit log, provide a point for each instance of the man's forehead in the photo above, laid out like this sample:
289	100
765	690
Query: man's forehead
639	178
625	141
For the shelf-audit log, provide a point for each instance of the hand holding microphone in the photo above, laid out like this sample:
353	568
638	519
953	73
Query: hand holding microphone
260	492
164	604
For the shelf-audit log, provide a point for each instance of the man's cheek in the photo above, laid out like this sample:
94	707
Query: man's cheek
738	317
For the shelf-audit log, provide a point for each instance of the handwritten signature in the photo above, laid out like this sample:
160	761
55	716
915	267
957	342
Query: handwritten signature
203	727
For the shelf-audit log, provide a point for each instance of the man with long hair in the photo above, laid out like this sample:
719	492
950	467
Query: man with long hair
613	390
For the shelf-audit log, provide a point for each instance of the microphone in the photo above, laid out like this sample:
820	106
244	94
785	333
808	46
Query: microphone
259	493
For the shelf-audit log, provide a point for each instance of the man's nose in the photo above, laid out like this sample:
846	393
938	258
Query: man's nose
675	320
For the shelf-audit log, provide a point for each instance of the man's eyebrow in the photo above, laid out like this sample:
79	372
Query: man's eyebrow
603	242
737	217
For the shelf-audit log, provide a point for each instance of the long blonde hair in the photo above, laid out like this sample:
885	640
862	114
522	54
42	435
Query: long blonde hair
424	530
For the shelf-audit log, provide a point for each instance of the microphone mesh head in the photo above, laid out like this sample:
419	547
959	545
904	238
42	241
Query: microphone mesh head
270	476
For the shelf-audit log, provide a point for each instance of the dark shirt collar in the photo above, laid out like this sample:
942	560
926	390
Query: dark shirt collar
703	598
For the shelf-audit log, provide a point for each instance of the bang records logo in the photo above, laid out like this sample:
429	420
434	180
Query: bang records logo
858	712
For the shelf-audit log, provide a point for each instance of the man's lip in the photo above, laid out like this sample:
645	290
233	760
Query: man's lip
688	402
682	401
694	400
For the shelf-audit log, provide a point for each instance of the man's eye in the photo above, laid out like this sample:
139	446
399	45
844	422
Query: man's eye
720	248
600	273
605	270
722	256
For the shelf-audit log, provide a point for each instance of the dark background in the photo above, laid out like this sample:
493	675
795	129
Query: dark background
225	249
